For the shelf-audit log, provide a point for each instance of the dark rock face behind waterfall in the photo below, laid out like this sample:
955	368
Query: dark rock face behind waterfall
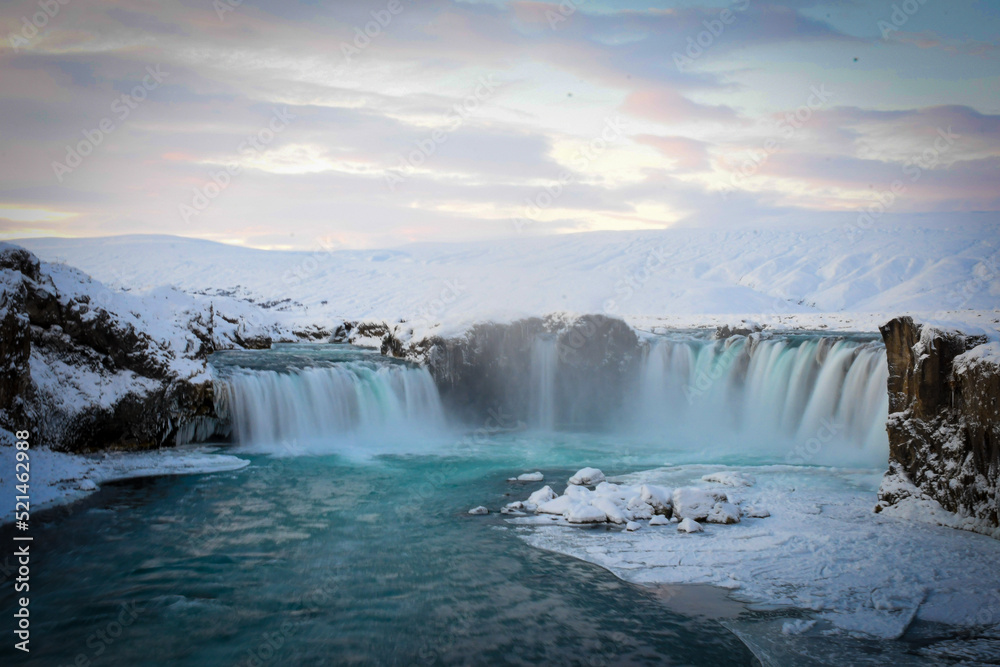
488	371
944	422
85	367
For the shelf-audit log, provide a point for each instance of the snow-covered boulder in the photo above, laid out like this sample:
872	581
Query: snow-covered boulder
657	497
724	513
530	477
612	510
587	477
585	513
689	526
478	511
659	520
694	503
632	526
756	513
559	505
639	509
730	478
542	495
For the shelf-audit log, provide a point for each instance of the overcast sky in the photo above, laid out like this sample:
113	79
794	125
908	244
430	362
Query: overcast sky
283	124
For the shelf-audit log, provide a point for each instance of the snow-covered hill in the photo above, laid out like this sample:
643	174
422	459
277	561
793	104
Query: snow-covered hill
819	277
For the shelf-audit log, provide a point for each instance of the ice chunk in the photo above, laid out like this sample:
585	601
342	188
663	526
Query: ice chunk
632	526
659	520
87	485
730	478
542	495
479	510
587	477
724	513
693	503
584	513
531	477
689	526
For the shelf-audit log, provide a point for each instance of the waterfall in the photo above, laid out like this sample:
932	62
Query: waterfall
544	359
319	408
818	399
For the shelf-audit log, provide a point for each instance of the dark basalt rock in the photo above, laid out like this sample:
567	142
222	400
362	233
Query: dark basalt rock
487	371
38	325
944	422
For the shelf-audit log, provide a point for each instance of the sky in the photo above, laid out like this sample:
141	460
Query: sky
374	123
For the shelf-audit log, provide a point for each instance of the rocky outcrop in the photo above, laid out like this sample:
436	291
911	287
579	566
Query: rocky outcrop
83	367
488	371
944	423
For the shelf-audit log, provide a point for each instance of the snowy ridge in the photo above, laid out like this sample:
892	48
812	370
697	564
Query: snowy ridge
675	277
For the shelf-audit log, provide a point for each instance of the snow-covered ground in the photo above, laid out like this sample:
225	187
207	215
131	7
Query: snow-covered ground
833	278
822	549
58	479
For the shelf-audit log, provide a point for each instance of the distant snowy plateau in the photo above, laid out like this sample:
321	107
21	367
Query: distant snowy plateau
839	278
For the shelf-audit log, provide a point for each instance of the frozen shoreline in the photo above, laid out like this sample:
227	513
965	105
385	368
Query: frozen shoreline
59	479
823	551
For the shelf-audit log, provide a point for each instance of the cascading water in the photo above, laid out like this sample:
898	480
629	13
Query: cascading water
544	360
312	399
768	395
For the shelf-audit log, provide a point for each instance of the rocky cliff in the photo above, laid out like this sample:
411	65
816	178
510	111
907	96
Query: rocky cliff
84	367
944	425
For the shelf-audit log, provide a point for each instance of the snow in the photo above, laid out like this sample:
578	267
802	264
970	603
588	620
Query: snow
58	478
802	278
987	353
822	551
587	477
659	520
528	477
478	511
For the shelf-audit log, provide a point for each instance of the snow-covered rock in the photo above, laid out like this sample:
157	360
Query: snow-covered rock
587	477
730	478
694	503
86	367
689	526
559	505
659	520
542	495
724	513
529	477
657	497
632	526
612	510
755	512
585	513
478	511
